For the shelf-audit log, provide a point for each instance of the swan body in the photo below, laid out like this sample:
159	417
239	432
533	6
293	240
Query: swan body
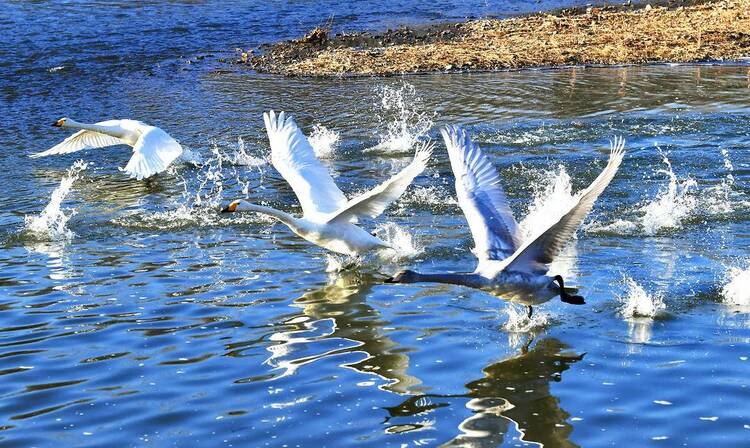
153	149
329	219
508	267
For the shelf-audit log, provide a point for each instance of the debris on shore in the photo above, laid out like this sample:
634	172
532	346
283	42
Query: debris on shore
610	35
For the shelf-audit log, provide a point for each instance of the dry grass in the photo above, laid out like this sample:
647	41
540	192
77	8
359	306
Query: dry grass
711	31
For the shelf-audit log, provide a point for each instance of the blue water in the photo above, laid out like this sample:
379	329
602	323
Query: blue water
149	319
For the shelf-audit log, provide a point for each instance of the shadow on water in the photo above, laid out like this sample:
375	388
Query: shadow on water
512	399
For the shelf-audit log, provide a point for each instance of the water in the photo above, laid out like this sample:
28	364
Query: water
146	318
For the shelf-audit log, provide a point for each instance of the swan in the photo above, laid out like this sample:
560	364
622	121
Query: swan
508	267
153	149
328	218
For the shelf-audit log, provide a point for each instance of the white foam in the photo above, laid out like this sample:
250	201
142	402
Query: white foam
403	116
737	289
324	141
50	224
638	303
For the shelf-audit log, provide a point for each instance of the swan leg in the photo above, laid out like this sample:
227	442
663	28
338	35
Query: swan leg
565	297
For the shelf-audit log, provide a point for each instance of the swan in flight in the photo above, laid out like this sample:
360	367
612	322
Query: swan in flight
329	218
153	149
508	267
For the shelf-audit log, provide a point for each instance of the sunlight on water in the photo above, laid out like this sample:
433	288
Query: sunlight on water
324	141
403	116
50	224
638	303
737	289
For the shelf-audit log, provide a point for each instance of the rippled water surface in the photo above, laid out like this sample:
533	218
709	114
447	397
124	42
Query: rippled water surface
134	314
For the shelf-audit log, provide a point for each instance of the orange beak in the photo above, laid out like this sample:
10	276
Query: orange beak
58	123
229	208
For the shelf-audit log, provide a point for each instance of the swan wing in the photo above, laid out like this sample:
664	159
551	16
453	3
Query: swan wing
481	197
152	153
294	158
84	139
535	256
375	201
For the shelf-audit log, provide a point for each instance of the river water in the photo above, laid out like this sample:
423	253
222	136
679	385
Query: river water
134	314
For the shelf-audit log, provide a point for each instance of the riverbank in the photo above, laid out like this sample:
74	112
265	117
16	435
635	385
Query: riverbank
611	35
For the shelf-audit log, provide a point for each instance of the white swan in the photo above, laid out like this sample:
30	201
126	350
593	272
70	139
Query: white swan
508	267
153	149
328	216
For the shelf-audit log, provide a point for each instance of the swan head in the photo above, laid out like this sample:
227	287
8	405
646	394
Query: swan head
60	123
405	276
237	206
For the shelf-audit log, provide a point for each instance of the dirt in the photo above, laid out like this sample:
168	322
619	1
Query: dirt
672	31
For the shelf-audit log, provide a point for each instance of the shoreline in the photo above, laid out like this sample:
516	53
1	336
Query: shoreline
685	31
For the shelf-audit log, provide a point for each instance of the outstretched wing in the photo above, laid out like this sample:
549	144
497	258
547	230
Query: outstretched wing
83	139
481	197
535	256
152	153
375	201
294	158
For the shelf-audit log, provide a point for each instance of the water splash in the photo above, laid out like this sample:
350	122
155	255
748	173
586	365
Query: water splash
324	141
204	194
189	157
340	263
403	243
638	303
672	205
552	197
737	289
680	201
519	322
402	113
434	197
50	224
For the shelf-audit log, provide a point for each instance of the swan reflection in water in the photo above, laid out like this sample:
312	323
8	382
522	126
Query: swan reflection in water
513	397
336	320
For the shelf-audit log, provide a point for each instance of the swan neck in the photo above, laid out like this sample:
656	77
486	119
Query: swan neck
289	220
453	279
114	131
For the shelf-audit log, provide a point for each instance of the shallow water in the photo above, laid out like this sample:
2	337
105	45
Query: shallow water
149	319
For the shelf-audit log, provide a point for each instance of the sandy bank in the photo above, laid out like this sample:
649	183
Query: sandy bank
610	35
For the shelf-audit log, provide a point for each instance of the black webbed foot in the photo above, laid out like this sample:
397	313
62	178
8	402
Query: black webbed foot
565	297
573	300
